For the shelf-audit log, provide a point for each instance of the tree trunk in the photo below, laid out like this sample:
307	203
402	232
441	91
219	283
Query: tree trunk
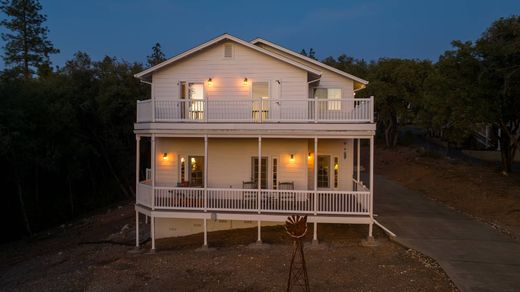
509	141
391	132
22	206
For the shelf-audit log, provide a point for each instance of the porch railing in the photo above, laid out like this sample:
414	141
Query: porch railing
257	201
352	110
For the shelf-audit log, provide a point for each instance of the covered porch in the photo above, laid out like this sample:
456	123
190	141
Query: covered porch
194	177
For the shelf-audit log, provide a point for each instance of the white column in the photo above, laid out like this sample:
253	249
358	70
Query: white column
371	186
259	238
315	233
152	232
358	159
137	156
205	233
259	178
315	175
136	229
206	173
153	171
137	152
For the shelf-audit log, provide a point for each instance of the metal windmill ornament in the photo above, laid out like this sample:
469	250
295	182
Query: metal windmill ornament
296	227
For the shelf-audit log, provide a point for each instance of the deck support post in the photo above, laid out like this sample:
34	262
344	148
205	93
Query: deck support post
205	173
259	238
136	229
315	231
371	206
153	172
152	232
358	161
205	245
137	158
259	177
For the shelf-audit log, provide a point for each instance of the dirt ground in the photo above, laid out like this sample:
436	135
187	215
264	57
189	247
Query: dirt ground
83	256
478	190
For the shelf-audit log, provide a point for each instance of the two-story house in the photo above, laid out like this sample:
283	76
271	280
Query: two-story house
244	134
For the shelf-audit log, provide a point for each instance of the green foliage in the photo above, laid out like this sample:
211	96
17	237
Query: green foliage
26	45
67	139
399	87
156	57
311	54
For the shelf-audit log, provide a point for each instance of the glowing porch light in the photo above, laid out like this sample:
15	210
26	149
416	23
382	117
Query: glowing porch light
245	82
210	82
165	156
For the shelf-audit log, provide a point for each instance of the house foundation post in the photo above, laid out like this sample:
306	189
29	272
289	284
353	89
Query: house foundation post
205	173
205	245
358	161
259	176
371	207
153	171
136	229
137	155
315	231
259	238
152	232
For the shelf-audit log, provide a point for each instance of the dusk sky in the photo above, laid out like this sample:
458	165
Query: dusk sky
128	29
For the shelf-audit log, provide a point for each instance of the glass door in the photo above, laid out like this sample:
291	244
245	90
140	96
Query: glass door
196	96
196	171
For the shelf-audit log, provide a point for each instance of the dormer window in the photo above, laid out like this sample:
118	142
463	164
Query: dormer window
228	51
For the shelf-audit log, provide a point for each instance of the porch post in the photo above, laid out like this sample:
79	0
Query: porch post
137	156
205	234
259	177
358	159
136	229
315	229
152	225
153	172
205	173
371	207
259	238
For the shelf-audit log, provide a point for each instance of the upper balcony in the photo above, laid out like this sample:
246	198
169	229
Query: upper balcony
308	110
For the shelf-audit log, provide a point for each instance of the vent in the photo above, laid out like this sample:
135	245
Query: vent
228	51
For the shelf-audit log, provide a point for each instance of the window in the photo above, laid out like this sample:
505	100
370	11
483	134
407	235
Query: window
259	92
328	93
263	171
323	171
196	171
228	51
336	171
275	173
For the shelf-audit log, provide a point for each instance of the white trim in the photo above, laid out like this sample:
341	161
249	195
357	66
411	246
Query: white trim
142	74
325	66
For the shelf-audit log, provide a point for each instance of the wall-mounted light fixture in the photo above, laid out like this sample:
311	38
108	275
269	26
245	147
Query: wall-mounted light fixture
309	156
165	156
245	81
210	82
292	157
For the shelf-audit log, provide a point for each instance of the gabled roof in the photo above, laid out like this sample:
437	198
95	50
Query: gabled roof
317	63
146	73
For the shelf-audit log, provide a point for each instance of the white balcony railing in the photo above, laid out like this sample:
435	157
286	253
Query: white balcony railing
257	201
353	110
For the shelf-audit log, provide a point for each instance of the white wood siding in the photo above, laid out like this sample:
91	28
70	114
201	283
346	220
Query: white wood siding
228	74
229	160
328	79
